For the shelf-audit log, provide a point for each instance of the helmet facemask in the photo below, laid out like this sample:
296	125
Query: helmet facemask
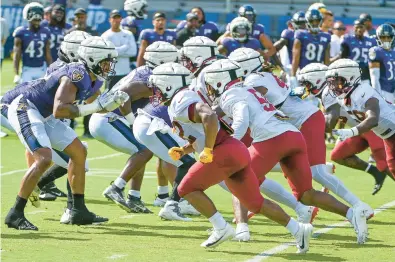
314	25
105	69
240	33
339	86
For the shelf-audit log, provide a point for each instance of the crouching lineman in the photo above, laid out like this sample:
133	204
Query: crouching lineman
221	157
34	114
312	78
364	104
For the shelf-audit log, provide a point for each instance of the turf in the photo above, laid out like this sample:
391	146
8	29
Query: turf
144	237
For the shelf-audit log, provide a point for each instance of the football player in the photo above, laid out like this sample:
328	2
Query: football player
240	29
159	33
310	45
32	45
312	78
206	28
137	13
35	113
364	104
57	26
356	47
382	62
196	123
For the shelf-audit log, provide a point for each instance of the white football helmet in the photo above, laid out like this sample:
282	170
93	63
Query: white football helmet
197	52
318	6
240	28
312	77
249	59
222	75
68	50
160	52
167	79
343	76
99	55
33	11
136	8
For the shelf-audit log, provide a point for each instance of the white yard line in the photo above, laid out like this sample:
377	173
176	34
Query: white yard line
89	159
116	256
270	252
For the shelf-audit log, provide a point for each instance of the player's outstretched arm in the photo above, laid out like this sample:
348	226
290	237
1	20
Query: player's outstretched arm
296	50
202	113
17	54
280	44
372	116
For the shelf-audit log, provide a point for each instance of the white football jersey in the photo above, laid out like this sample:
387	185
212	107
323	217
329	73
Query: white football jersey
355	107
183	126
261	114
295	108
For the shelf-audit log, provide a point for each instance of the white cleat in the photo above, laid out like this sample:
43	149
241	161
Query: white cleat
34	197
65	219
171	211
242	233
187	209
305	214
219	236
2	134
361	212
160	202
303	238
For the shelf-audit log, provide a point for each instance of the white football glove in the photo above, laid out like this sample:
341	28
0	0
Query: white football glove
293	82
112	100
345	133
17	79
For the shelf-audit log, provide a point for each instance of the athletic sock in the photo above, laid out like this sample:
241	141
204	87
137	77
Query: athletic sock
53	173
20	204
218	221
134	193
79	202
371	169
278	193
120	183
163	192
292	226
69	196
349	214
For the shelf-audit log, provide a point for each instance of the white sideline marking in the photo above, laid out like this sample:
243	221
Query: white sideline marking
35	212
116	256
89	159
269	253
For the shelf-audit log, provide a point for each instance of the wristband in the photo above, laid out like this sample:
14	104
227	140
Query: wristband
355	131
88	109
130	118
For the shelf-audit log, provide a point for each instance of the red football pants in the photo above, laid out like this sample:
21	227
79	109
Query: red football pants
289	149
231	164
389	145
357	144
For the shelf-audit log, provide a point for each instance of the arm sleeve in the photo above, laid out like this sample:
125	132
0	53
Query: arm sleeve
375	77
240	119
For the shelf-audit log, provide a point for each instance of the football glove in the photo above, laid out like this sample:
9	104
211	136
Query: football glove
176	153
17	79
206	156
345	133
293	82
112	100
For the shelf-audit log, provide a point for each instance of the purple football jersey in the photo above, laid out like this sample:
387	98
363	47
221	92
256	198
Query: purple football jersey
130	22
33	45
231	44
151	36
159	112
257	30
208	29
289	36
55	66
387	67
313	47
57	35
41	92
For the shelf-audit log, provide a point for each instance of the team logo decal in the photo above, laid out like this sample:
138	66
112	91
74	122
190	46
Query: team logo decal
76	76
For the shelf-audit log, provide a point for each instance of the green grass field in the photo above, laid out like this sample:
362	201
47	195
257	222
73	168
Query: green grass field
144	237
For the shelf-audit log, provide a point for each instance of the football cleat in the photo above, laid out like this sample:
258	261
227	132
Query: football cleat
379	182
361	213
303	238
84	217
34	197
371	160
160	202
53	190
115	194
66	217
17	220
47	196
136	205
187	209
242	233
218	236
171	211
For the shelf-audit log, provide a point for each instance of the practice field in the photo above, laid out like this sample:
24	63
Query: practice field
144	237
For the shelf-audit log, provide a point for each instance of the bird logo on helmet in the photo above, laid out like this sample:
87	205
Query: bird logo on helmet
167	80
342	77
99	56
222	75
160	52
240	28
198	52
385	35
136	8
248	12
312	78
313	20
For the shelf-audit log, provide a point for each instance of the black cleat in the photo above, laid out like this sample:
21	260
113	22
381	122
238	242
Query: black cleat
136	205
379	183
115	194
17	220
54	190
84	217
